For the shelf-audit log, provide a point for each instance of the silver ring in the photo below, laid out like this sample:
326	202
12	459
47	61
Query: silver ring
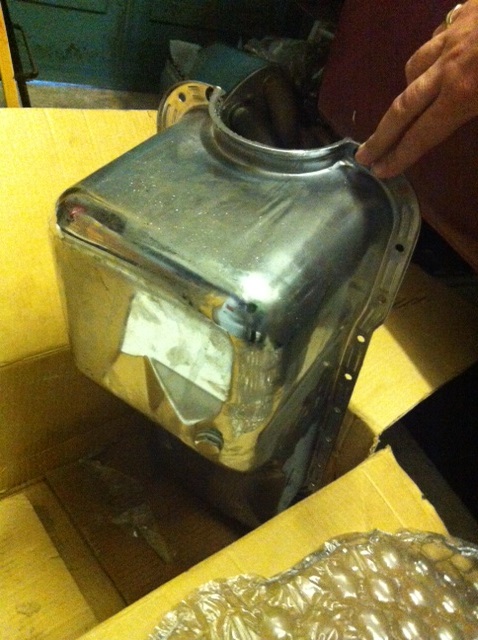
450	16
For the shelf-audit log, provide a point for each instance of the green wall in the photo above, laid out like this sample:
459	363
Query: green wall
124	44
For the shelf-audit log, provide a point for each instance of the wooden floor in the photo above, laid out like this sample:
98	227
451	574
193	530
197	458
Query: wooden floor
94	536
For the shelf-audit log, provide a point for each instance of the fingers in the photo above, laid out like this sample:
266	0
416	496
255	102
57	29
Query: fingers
442	94
424	58
431	128
404	111
440	29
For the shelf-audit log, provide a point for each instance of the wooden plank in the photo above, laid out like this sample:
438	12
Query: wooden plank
96	587
39	598
144	529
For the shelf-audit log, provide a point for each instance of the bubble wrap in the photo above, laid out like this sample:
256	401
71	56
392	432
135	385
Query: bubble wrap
374	586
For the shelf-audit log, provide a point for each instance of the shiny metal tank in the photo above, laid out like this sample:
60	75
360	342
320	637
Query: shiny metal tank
228	290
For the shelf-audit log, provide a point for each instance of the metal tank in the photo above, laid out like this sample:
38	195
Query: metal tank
228	290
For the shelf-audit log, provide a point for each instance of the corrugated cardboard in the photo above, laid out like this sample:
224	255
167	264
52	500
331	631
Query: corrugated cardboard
375	495
42	153
35	582
429	338
49	412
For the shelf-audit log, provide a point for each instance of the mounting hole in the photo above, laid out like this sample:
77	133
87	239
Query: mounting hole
399	247
181	96
208	93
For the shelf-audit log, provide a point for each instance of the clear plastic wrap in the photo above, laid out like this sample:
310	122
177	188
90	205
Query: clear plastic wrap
374	586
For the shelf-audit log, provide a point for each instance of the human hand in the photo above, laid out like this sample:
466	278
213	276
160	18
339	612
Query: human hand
442	94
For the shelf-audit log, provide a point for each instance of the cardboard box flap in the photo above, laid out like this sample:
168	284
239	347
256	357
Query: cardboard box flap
36	589
376	495
429	337
43	152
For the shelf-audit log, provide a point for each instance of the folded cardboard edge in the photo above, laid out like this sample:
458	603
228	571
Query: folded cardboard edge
46	152
32	575
52	414
429	338
377	494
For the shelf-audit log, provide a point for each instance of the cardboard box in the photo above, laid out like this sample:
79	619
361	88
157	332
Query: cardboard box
51	414
375	495
428	339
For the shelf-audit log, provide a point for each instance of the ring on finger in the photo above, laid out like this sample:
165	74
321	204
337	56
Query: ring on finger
451	15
